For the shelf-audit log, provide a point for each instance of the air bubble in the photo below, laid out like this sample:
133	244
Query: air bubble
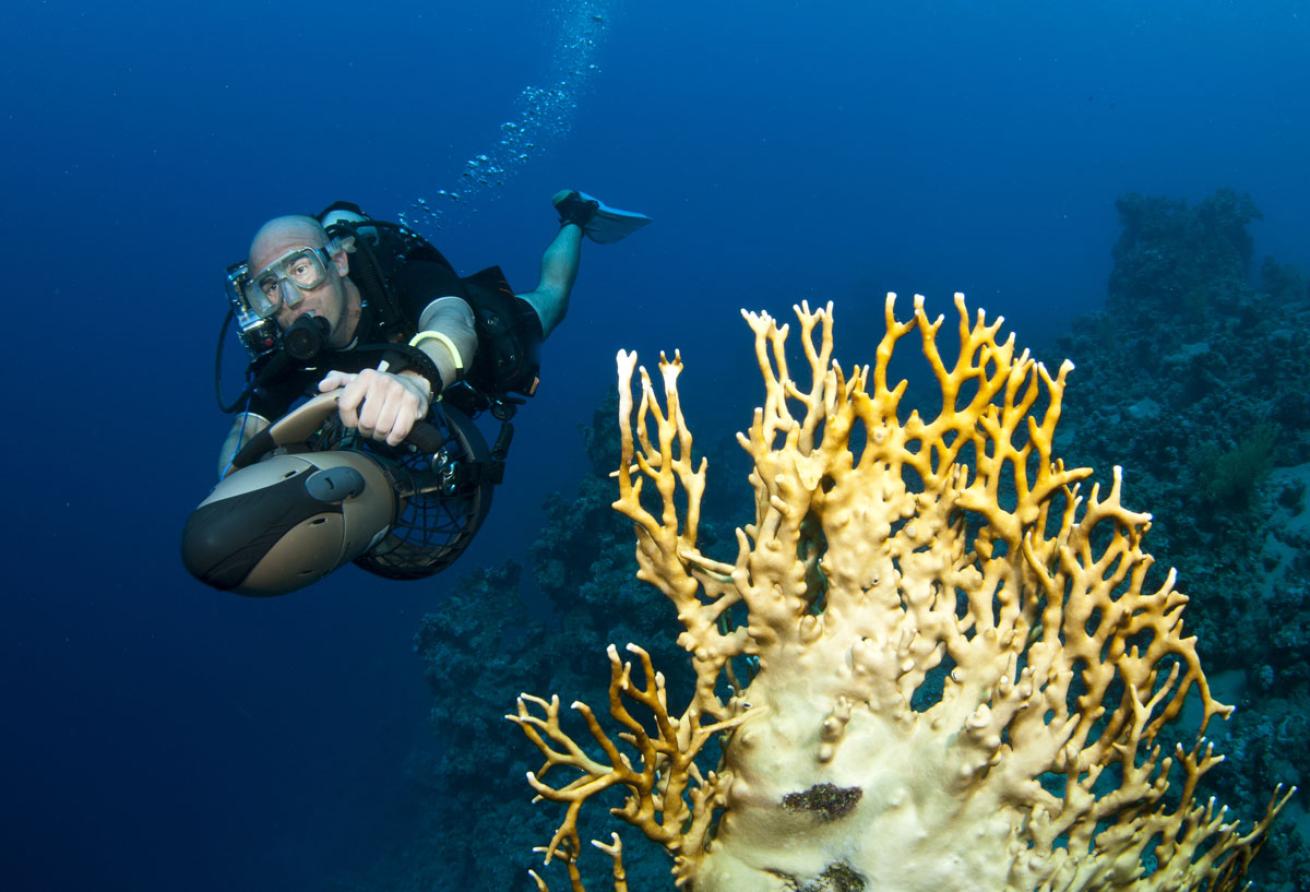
541	114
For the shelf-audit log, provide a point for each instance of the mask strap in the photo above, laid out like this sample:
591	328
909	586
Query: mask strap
341	243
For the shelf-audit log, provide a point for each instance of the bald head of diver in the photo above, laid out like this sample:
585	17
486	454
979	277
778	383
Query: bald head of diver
336	299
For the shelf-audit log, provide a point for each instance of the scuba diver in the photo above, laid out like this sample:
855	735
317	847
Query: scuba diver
382	465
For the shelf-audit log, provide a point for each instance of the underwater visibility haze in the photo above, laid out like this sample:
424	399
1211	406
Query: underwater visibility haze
1125	183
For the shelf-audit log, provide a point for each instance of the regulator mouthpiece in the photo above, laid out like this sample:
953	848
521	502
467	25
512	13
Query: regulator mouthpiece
305	339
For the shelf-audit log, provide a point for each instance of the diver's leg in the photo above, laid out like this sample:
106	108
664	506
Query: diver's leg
559	269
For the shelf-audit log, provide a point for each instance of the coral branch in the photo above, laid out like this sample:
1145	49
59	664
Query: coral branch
964	668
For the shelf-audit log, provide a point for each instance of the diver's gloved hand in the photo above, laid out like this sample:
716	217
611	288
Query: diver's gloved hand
379	404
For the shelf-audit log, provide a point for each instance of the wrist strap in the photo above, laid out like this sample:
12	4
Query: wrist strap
402	357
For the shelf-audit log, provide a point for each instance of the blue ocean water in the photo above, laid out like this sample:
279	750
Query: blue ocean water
159	735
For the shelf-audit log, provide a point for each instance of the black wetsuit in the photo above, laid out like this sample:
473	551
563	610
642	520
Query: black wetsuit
508	329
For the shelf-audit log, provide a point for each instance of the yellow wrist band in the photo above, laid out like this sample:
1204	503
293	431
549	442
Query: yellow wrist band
444	341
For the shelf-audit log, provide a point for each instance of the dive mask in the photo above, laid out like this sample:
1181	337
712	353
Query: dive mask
283	282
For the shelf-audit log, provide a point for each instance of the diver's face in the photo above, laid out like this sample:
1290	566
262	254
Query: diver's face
329	300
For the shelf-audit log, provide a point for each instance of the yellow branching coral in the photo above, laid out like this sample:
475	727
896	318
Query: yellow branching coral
960	671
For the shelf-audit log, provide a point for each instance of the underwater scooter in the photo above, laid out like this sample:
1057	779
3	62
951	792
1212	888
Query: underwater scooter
307	495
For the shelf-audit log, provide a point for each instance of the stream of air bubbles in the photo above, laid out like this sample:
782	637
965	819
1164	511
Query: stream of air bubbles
542	114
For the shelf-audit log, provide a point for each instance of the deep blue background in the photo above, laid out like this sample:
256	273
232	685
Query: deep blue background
157	735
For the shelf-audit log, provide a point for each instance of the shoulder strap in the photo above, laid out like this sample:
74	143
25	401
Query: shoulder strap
380	249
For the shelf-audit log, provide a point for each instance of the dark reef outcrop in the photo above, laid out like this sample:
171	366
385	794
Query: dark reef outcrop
1194	379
